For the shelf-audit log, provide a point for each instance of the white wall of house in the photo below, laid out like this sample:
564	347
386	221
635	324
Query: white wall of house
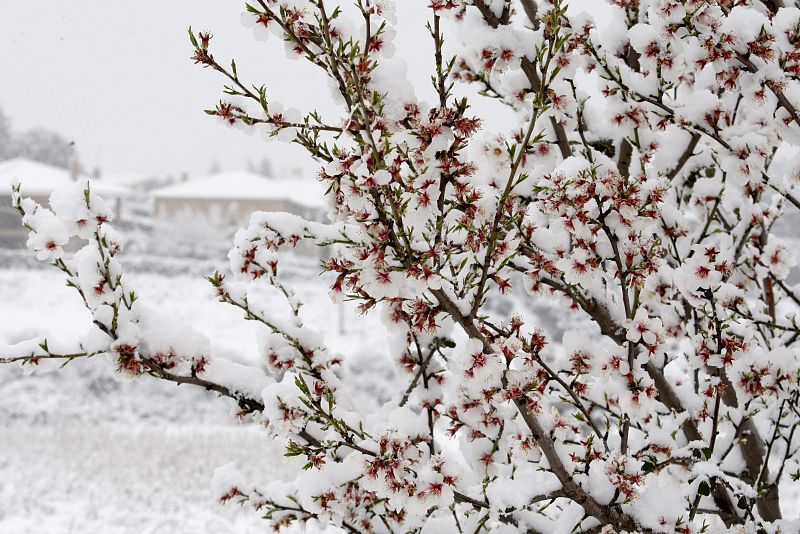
222	214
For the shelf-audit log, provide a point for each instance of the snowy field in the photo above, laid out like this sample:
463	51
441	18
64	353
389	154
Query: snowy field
81	452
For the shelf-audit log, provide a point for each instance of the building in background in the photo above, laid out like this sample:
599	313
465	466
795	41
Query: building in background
37	181
228	198
137	182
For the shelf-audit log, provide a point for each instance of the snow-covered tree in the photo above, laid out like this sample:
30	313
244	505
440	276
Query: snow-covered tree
38	144
5	137
45	146
636	192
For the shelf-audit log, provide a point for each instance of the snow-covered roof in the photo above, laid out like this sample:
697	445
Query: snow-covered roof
128	179
247	186
40	179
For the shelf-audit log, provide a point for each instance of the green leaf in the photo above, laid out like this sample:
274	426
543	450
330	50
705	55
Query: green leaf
262	97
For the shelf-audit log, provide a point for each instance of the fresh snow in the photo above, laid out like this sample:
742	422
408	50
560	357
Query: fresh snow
83	452
40	179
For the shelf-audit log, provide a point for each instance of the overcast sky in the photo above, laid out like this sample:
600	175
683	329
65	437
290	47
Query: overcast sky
115	77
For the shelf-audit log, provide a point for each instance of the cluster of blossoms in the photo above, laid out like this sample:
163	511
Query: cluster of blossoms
636	197
75	235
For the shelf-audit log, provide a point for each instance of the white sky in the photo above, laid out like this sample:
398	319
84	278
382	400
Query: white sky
115	77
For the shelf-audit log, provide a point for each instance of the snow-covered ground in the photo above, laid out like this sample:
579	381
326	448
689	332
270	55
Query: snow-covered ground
81	452
123	478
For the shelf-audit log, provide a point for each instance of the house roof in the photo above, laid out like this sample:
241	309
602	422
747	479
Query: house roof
40	179
247	186
130	179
